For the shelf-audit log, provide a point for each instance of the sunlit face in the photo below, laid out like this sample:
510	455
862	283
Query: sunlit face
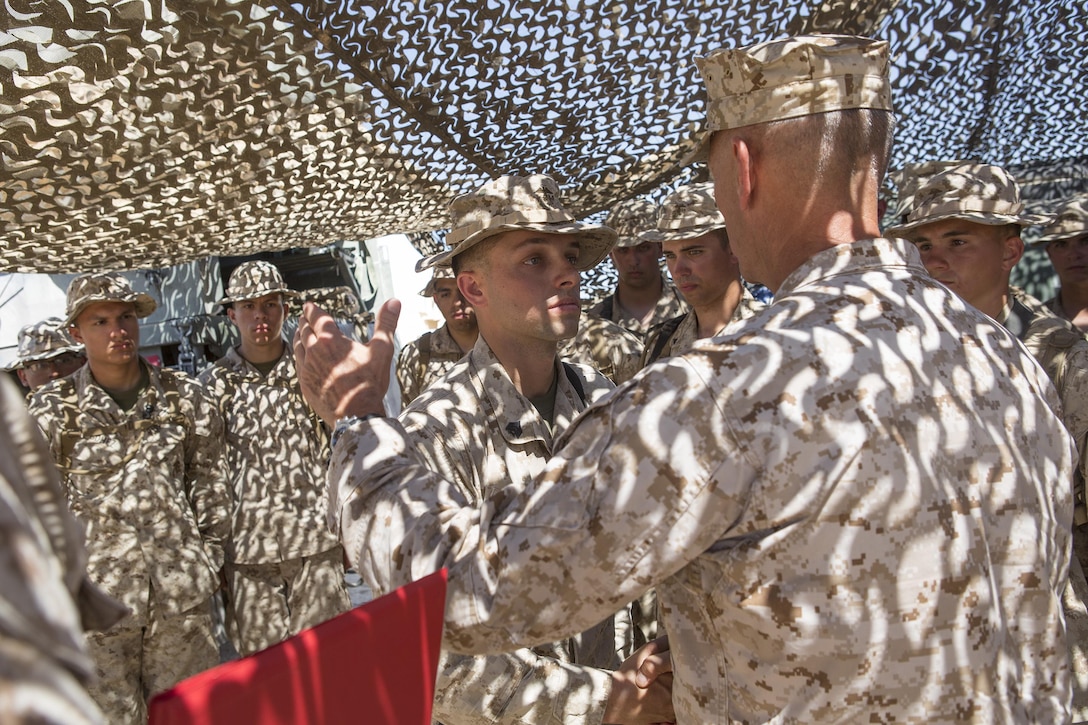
39	372
109	331
455	309
1070	259
971	259
702	268
530	286
637	266
259	320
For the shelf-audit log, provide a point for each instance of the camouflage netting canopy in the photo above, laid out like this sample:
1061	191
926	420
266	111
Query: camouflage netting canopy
145	133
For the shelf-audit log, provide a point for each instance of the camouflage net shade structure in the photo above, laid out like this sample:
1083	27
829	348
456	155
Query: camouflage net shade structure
146	133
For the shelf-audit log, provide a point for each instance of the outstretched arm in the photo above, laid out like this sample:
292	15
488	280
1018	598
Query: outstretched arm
629	498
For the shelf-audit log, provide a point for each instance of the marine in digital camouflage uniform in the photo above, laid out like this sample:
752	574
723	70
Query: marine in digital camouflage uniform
643	297
1066	241
855	505
489	425
46	352
47	598
285	569
140	454
966	222
692	233
427	358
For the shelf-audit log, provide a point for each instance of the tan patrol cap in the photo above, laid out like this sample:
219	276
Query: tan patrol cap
94	287
254	279
980	193
518	202
44	340
687	213
1070	221
794	77
439	273
630	219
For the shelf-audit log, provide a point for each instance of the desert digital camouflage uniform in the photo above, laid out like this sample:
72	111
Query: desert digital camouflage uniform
629	219
1062	351
984	194
149	484
855	505
46	596
1070	224
687	214
669	305
612	350
285	567
478	429
678	335
492	437
424	361
812	566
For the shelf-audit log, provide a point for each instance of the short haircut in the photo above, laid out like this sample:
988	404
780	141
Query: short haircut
827	146
475	257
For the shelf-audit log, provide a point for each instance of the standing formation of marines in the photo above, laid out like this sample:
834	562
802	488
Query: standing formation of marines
284	569
862	501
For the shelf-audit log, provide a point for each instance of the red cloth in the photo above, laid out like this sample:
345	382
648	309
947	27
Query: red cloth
374	664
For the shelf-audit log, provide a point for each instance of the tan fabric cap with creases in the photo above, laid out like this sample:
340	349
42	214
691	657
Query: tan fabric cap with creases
518	202
439	273
630	218
104	287
686	213
254	279
44	340
908	180
1070	221
980	193
794	77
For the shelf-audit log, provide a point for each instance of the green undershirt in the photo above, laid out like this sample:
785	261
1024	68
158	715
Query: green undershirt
545	404
127	398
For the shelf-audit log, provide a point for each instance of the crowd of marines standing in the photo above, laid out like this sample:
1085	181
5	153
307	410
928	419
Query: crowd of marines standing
862	499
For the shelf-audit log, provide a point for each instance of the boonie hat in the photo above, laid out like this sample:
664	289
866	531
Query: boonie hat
686	213
980	193
794	77
44	340
104	287
254	279
1070	220
518	202
912	176
439	273
630	219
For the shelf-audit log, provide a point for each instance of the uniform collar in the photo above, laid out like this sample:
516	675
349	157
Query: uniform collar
859	257
512	413
284	368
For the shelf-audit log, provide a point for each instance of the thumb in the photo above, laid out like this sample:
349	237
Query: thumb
385	323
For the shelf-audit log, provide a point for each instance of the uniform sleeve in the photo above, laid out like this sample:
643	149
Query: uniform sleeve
408	374
520	688
206	480
630	497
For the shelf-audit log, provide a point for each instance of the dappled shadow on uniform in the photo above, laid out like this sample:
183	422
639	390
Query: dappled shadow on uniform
861	501
904	526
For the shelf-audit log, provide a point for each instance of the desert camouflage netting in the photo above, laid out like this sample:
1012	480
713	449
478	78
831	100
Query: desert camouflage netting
148	133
